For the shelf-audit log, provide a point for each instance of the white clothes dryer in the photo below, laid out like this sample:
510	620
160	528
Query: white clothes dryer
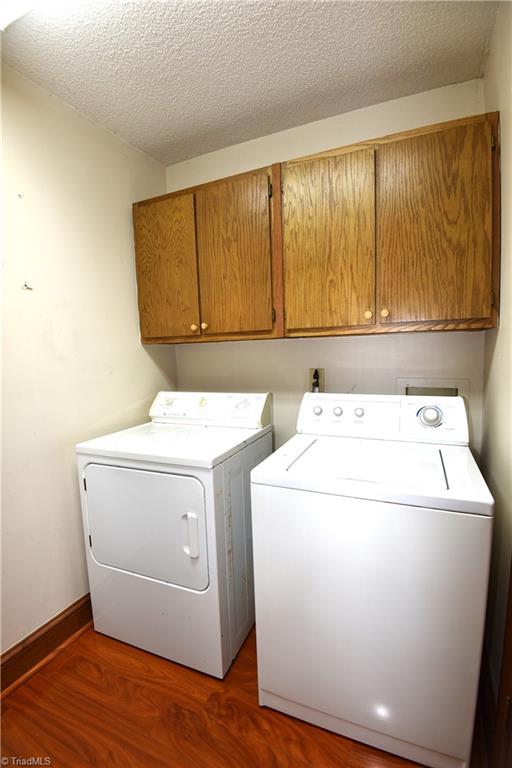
372	533
166	517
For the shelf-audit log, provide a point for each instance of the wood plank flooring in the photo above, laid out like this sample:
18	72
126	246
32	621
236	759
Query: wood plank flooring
103	703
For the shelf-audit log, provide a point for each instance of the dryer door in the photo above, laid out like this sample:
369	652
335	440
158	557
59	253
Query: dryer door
148	523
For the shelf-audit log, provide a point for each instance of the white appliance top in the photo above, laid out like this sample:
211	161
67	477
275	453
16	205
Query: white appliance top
369	461
385	453
177	435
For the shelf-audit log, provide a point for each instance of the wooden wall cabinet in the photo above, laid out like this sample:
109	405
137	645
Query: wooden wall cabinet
397	234
208	261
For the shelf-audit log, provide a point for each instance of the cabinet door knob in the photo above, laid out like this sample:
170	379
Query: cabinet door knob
204	326
194	327
384	313
368	314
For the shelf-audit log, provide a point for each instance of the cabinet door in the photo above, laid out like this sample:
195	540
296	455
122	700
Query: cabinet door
234	255
165	249
328	241
434	225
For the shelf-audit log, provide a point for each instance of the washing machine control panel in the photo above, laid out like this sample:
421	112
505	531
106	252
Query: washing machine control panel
223	409
388	417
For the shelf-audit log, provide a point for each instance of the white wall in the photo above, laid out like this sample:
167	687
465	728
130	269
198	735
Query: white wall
356	364
497	437
352	364
73	363
369	123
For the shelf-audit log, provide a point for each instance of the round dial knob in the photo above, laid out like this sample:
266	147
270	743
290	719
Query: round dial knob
430	416
204	326
337	411
317	410
359	412
194	327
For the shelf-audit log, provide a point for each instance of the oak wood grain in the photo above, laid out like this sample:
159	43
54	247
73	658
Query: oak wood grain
367	330
166	261
393	324
277	252
209	337
419	327
103	703
234	255
328	242
434	207
494	123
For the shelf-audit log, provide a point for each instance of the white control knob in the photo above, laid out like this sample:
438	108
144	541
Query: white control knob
317	410
430	416
337	411
359	412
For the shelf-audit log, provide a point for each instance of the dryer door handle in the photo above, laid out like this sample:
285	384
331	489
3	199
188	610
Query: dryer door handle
191	548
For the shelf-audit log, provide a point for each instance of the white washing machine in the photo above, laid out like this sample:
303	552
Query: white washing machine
166	516
372	533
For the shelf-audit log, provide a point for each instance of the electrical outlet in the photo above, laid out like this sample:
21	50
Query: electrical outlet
312	379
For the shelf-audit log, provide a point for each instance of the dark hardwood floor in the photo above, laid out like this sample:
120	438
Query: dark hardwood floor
103	703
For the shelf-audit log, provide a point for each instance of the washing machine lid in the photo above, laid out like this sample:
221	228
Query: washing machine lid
177	444
369	461
417	474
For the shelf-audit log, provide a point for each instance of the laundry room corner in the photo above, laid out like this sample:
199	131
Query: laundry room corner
497	446
72	359
255	403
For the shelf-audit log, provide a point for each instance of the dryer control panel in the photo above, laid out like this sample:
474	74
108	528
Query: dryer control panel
386	417
219	409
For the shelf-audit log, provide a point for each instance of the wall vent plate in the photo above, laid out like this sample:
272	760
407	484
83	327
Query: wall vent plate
433	387
432	391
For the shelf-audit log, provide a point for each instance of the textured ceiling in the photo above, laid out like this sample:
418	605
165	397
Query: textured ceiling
178	78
